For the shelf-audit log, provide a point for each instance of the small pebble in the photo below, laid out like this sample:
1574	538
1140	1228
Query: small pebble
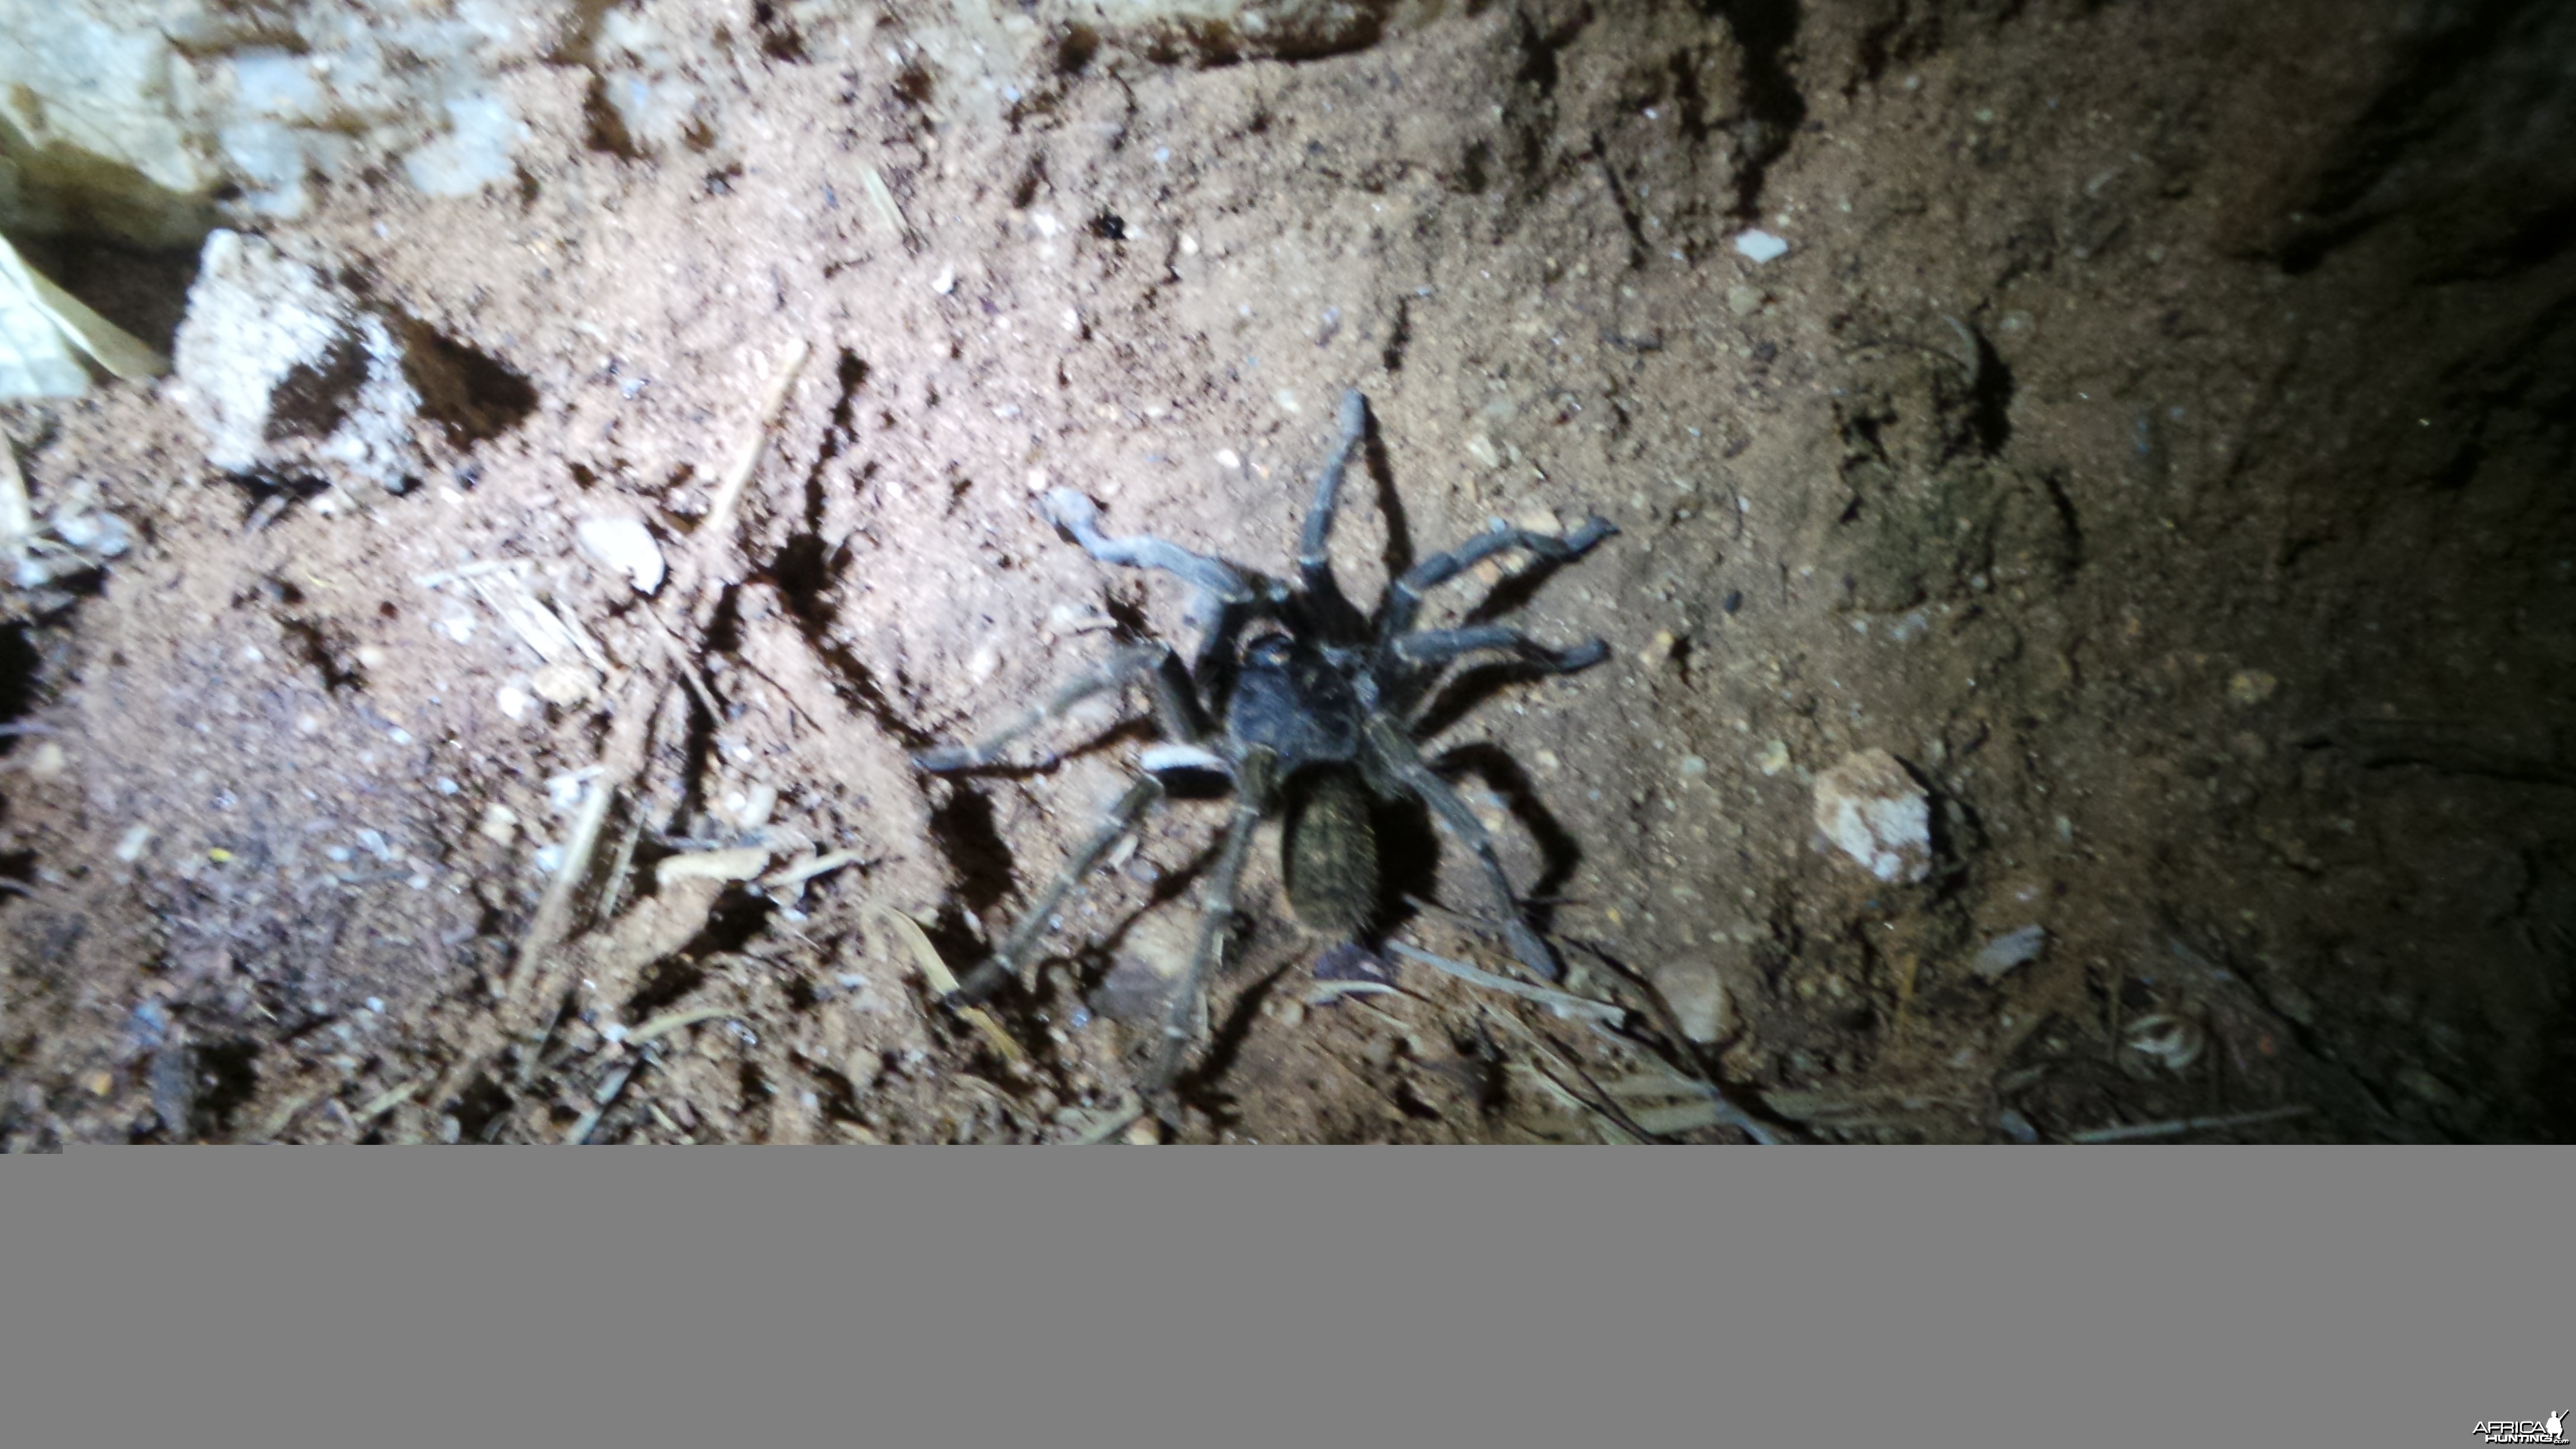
945	282
1761	246
624	545
2251	687
1871	808
129	846
47	761
564	684
1773	759
514	701
1698	995
1743	301
2009	950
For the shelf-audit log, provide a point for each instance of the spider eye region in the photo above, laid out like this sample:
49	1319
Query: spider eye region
1294	703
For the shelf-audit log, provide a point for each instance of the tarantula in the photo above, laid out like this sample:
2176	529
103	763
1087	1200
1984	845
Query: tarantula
1301	703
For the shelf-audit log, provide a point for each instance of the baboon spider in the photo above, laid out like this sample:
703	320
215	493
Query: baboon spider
1301	703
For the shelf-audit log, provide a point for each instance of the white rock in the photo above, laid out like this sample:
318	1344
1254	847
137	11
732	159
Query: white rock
564	684
1871	809
1761	246
514	701
2009	950
1697	993
283	368
626	545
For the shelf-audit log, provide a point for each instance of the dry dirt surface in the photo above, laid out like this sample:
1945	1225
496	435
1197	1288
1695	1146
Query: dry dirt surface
2156	438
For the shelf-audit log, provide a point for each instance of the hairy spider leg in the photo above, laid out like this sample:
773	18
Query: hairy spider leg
1225	597
1404	596
1013	953
1173	709
1314	558
1185	1019
1429	648
1401	765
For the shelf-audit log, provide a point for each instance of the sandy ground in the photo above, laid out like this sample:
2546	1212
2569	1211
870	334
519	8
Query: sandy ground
2155	436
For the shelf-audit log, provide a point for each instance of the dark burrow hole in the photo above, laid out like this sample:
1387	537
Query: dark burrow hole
470	394
19	662
143	290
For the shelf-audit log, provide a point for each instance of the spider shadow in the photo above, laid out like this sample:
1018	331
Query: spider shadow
1201	1086
1397	555
964	825
1559	855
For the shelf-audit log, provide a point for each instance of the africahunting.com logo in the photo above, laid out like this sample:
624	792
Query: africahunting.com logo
2552	1430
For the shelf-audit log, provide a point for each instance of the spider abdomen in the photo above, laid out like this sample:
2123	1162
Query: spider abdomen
1329	853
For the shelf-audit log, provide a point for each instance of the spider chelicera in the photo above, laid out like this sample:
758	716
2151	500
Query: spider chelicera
1302	704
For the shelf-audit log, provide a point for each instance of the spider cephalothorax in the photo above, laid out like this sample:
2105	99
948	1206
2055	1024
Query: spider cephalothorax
1303	704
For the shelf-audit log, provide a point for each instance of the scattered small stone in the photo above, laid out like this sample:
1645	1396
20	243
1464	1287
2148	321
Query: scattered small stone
624	545
1697	992
946	281
1743	301
564	684
2251	687
47	761
1760	246
2011	949
514	701
981	665
1871	808
1659	649
2174	1042
1774	757
500	823
130	845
